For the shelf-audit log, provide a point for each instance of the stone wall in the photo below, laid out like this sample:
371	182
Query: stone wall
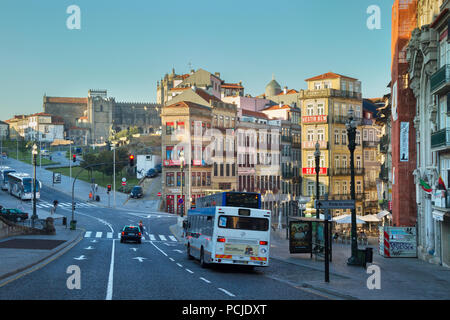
9	229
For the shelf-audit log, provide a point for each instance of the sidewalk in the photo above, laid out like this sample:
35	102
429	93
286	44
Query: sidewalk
401	278
20	253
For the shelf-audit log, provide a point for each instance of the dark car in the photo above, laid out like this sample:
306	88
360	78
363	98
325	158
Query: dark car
152	173
13	215
131	233
158	167
136	192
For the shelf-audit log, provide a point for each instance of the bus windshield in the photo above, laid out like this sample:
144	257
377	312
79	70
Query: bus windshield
27	185
244	223
243	200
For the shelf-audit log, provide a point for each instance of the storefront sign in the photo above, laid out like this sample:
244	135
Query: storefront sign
314	119
311	171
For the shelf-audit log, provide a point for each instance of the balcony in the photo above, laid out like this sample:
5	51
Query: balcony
347	171
370	144
384	144
440	140
344	119
440	80
384	173
348	196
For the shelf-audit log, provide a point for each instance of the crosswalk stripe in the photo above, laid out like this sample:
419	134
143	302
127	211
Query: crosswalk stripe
152	237
162	237
88	234
109	235
172	238
119	235
98	234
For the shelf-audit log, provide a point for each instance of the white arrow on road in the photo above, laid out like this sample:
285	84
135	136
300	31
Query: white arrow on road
134	249
80	258
94	241
140	259
178	250
89	248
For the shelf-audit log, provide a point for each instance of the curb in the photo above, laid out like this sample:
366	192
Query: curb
328	291
59	251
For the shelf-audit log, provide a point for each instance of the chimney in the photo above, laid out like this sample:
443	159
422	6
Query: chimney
285	90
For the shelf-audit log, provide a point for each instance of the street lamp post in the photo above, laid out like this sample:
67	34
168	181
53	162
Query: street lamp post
317	158
34	216
182	181
351	131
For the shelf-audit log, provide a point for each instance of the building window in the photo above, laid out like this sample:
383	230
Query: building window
358	137
336	161
170	179
320	135
358	162
320	109
310	110
344	137
336	136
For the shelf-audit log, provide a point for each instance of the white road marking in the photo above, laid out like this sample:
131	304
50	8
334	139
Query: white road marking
118	235
172	238
171	259
189	271
227	292
162	237
159	249
152	237
80	258
98	234
207	281
109	290
179	265
109	235
88	234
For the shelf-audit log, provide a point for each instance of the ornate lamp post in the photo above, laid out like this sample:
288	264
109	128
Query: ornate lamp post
182	181
317	158
34	152
351	132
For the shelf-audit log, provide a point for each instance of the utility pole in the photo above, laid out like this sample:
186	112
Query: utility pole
34	216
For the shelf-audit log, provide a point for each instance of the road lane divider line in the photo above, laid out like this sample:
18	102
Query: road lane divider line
159	249
178	264
227	292
109	290
206	280
189	270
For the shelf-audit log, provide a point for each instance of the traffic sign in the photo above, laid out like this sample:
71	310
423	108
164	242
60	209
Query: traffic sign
124	179
180	201
334	204
124	183
159	194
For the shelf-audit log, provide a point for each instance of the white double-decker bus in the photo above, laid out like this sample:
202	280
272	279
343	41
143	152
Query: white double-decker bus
20	185
4	176
228	235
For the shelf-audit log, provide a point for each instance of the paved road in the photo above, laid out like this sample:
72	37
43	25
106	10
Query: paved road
157	269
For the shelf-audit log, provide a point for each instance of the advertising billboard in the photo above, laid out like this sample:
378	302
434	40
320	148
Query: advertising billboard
300	237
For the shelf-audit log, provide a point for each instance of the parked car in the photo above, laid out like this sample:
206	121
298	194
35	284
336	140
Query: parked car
137	192
13	215
132	233
158	167
151	173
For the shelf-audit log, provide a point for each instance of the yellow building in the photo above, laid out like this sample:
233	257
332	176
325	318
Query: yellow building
325	106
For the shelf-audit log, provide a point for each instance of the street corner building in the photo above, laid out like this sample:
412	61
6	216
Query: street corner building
420	125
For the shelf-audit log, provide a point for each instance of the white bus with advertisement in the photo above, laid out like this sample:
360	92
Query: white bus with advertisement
228	235
20	186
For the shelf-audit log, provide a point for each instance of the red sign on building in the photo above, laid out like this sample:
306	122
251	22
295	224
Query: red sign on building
311	171
315	119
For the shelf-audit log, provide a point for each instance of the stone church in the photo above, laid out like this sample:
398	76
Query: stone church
91	120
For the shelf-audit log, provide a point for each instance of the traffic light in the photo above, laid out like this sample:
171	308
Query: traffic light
74	158
109	188
131	160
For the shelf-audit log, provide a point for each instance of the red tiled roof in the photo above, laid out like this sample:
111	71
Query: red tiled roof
254	114
232	86
43	114
292	91
329	75
182	76
277	107
185	104
179	89
66	100
205	95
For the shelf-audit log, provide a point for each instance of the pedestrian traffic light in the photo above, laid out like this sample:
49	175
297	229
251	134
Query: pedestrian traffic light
109	187
131	160
74	157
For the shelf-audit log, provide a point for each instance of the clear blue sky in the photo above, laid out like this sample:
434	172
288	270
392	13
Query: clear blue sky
126	46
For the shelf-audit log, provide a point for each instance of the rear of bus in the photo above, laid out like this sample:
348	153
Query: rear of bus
242	236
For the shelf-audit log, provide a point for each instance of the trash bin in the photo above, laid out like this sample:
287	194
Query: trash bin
73	225
97	198
64	222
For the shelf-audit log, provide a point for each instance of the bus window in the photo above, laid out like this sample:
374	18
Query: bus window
246	200
243	223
